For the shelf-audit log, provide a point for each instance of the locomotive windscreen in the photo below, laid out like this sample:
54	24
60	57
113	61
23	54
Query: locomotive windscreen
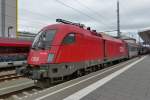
43	39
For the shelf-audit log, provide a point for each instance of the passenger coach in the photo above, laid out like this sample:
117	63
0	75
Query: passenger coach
13	52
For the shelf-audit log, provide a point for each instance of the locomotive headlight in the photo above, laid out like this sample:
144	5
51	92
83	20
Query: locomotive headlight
50	58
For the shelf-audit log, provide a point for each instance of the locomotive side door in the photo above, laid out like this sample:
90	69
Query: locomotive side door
105	50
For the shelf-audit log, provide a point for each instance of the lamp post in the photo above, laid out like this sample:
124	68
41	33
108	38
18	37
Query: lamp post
9	28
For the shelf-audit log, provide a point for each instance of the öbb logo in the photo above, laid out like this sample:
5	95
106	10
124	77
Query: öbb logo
35	59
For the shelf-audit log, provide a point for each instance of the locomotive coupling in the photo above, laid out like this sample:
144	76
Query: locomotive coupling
32	73
23	71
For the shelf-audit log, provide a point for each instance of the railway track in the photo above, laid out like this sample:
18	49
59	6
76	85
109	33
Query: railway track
14	91
16	95
5	72
6	75
9	77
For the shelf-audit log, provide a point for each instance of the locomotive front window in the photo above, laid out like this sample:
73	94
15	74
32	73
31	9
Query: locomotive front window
43	39
49	35
70	38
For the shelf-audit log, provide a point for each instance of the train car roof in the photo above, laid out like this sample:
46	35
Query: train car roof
13	42
107	37
133	44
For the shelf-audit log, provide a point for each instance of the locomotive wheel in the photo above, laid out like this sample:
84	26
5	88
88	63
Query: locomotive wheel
79	73
43	83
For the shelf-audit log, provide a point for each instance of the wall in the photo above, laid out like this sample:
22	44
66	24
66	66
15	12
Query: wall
9	19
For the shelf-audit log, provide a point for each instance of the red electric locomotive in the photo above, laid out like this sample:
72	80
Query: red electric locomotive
66	49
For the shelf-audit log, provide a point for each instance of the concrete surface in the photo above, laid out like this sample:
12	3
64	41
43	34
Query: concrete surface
15	85
134	84
61	91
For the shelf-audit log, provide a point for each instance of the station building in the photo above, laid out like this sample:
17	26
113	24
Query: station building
8	18
145	35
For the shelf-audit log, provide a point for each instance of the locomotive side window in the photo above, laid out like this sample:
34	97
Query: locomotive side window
70	38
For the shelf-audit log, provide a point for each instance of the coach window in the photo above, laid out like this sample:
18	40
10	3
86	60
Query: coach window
70	38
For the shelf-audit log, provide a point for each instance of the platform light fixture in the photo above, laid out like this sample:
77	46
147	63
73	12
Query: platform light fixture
9	28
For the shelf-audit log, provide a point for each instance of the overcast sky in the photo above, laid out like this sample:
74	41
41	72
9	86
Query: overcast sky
99	14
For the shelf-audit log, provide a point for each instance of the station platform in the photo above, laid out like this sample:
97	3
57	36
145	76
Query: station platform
129	80
15	85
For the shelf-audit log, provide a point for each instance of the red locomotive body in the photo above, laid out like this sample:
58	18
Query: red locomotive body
62	50
78	49
114	48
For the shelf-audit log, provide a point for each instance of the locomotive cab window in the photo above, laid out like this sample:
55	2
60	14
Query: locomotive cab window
44	39
70	38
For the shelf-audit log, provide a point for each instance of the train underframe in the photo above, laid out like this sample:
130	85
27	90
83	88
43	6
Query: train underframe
49	74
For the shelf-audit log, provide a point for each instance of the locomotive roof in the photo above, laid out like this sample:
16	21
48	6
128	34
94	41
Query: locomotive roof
72	28
12	42
67	26
81	30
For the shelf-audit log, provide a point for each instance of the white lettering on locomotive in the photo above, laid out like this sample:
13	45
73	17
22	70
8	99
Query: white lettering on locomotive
35	59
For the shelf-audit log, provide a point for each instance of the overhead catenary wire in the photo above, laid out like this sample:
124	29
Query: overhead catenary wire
31	12
28	26
37	22
41	15
123	13
77	10
50	17
25	19
93	11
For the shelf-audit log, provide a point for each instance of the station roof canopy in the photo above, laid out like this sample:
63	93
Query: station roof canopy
145	35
